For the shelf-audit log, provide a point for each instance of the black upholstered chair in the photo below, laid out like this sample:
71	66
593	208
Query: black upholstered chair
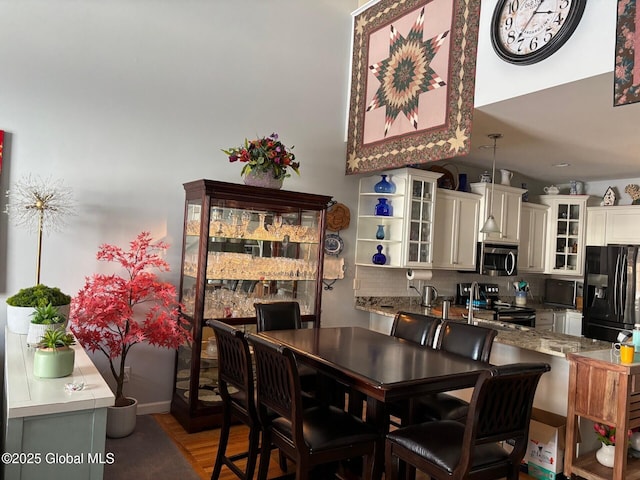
235	370
285	316
470	341
277	316
313	436
417	328
500	409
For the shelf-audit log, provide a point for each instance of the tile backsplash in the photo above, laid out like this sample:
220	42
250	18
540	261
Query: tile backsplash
393	282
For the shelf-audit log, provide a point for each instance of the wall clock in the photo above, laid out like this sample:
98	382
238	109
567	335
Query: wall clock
527	31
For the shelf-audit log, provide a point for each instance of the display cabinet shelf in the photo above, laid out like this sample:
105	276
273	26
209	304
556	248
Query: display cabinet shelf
408	229
241	245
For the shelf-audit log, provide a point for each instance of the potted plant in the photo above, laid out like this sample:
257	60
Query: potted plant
41	320
266	161
54	356
21	306
112	313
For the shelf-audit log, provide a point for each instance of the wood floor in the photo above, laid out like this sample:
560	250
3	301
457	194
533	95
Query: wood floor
200	448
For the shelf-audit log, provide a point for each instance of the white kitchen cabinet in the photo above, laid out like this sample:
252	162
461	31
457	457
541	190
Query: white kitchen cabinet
568	322
408	231
565	237
596	224
456	230
613	225
533	238
506	206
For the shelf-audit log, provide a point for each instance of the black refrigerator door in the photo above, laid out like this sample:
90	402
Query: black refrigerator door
629	302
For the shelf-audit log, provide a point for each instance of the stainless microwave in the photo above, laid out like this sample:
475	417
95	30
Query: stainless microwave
497	260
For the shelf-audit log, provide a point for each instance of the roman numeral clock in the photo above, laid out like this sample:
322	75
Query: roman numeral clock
524	32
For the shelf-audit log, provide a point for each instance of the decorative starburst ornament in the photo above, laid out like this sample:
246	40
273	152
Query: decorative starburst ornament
39	204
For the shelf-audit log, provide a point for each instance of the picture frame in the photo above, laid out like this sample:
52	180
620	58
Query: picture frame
626	74
412	82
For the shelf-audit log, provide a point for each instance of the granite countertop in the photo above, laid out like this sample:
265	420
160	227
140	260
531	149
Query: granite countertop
543	341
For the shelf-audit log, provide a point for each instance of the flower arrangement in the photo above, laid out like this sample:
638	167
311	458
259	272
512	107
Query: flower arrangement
267	154
607	434
103	314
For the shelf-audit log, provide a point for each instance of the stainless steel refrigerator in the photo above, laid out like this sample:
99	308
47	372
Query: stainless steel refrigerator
611	291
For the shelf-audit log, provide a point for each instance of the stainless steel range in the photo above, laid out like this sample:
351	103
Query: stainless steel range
489	300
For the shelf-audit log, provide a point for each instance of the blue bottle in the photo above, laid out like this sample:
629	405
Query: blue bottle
636	337
379	258
383	208
380	232
384	186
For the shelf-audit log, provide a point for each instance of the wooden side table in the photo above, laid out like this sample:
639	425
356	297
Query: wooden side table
606	391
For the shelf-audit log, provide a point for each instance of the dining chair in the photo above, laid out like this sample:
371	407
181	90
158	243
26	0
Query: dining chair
318	435
235	371
285	316
471	341
277	316
417	328
500	410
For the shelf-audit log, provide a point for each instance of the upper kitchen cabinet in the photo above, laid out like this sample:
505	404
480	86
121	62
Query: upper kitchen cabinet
505	207
456	232
395	218
565	238
613	225
532	252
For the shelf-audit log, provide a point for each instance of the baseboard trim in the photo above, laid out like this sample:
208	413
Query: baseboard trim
154	407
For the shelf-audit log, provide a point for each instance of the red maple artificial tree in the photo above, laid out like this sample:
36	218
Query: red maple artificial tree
103	314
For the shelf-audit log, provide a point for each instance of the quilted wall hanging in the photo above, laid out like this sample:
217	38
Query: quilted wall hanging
412	83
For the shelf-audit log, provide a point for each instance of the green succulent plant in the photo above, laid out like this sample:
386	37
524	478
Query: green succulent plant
47	315
56	338
39	296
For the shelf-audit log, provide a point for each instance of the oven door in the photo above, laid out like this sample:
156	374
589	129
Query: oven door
497	260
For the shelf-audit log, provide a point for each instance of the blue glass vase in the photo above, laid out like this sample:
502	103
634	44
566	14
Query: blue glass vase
384	186
380	232
383	208
379	258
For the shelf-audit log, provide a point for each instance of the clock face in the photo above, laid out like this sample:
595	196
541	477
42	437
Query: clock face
527	31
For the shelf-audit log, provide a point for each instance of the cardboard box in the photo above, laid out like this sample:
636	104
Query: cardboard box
545	449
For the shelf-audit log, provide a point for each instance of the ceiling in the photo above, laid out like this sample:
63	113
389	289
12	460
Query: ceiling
574	123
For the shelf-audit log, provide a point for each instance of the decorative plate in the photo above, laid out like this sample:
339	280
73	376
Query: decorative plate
338	217
333	244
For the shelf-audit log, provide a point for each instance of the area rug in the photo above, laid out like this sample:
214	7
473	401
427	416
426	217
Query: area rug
147	453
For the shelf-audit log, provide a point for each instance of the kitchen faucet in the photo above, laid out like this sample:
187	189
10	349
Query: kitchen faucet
474	293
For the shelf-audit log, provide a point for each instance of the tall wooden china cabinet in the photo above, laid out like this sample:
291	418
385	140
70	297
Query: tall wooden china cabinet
241	245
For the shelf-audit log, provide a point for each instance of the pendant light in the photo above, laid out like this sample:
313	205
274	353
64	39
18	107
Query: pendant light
490	226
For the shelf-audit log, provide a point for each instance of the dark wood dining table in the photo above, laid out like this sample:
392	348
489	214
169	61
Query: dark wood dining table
382	367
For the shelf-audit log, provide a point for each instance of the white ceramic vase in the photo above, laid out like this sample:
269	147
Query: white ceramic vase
605	455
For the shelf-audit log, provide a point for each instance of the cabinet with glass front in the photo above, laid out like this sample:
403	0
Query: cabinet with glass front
242	245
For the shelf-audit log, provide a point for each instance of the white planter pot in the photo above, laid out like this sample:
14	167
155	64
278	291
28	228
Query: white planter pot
121	421
605	455
19	318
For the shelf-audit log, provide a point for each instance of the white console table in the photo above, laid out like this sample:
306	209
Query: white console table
49	432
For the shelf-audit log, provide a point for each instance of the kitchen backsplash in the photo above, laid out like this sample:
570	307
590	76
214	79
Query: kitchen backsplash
392	282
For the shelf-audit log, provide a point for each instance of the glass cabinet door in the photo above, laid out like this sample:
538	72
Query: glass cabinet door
420	227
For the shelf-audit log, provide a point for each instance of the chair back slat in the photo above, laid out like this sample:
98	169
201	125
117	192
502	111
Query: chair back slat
470	341
277	381
278	316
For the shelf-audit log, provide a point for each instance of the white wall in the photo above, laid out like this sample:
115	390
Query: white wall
128	100
588	52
